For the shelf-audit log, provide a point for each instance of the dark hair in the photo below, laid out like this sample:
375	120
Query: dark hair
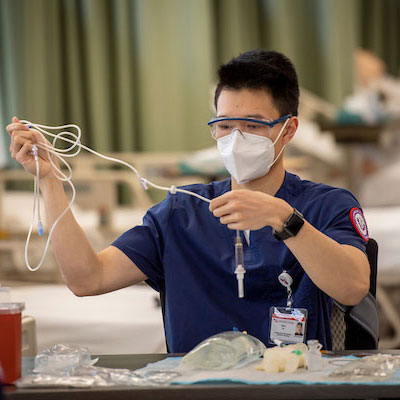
262	70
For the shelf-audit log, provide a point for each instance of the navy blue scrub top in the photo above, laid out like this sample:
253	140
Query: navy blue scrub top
183	248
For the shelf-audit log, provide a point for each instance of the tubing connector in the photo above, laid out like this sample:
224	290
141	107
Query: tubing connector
143	182
40	228
35	152
240	271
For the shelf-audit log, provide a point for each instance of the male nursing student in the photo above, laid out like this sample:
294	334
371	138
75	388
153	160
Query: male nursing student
316	233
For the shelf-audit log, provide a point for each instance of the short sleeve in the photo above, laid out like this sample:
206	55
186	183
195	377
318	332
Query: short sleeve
337	219
144	244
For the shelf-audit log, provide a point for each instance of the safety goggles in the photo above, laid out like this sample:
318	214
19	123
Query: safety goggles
224	126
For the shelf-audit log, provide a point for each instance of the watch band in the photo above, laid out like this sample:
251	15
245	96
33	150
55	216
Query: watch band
291	227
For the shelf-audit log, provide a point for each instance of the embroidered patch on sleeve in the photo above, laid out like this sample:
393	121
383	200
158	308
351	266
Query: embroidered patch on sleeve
358	221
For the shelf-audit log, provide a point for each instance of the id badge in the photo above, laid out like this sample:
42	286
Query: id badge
288	325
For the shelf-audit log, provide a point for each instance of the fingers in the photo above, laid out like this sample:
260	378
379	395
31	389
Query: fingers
228	213
220	201
225	209
242	209
18	139
20	134
24	154
227	203
24	135
234	222
231	218
16	126
17	142
237	226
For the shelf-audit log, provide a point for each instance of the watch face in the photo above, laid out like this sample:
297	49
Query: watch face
294	224
291	227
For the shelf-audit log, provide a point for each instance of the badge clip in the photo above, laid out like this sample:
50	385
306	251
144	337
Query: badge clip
286	280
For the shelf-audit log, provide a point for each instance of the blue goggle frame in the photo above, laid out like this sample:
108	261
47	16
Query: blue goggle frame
271	124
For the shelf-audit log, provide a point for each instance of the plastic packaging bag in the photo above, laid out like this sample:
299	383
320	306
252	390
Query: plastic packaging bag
67	366
222	351
376	367
85	377
62	360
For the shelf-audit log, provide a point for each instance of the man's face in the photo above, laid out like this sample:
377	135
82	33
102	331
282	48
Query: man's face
248	103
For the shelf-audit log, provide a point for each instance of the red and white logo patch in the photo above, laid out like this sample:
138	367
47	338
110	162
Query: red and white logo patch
358	221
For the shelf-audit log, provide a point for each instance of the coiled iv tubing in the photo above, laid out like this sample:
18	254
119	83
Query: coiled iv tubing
72	151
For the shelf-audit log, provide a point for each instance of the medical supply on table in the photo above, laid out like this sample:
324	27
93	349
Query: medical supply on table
10	340
67	366
63	360
284	358
75	146
231	349
314	360
376	367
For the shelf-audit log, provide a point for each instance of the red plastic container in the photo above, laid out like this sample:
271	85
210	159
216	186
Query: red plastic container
10	340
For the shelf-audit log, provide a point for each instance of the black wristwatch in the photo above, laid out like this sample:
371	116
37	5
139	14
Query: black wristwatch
291	226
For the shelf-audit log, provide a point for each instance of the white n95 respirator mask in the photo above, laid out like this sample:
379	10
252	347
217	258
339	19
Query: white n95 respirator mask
247	156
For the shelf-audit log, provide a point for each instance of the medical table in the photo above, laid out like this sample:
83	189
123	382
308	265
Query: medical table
222	390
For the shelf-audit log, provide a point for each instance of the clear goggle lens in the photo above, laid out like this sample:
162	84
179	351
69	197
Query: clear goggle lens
221	127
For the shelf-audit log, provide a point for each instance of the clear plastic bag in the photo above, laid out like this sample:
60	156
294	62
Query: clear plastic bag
222	351
99	377
376	367
67	366
62	360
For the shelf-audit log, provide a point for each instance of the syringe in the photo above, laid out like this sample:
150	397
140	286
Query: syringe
239	261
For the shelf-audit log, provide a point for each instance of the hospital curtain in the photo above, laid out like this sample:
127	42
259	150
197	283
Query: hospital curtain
139	74
380	31
318	36
135	75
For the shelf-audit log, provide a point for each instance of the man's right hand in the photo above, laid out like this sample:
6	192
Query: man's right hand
22	139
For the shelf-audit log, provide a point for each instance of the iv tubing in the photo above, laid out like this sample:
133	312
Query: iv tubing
51	150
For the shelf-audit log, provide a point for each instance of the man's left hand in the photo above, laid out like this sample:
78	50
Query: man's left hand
247	209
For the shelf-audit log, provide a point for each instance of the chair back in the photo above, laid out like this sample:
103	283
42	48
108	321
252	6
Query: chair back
362	322
357	327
